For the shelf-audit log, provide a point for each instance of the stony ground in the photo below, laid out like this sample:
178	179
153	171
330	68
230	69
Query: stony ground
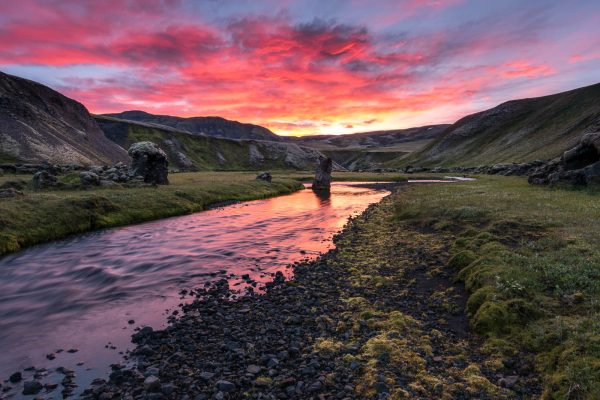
379	317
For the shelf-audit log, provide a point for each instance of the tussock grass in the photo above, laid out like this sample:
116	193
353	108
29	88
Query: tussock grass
530	259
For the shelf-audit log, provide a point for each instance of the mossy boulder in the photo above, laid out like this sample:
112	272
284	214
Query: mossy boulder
150	162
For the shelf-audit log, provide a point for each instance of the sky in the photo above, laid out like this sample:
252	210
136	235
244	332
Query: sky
303	67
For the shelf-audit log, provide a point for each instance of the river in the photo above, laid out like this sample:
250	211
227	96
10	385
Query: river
82	294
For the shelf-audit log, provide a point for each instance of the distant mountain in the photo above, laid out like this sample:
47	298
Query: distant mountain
210	126
515	131
39	124
187	151
371	150
400	139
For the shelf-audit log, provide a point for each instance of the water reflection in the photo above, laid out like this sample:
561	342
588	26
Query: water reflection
80	293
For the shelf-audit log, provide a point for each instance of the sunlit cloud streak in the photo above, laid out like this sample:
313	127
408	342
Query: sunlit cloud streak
302	67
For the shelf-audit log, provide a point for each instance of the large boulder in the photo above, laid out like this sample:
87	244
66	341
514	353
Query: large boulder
89	178
43	180
579	166
322	181
150	162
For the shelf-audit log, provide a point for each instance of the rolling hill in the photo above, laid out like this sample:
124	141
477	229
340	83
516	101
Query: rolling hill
516	131
38	124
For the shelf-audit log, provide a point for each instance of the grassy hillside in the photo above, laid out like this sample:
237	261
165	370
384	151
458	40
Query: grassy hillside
529	258
515	131
199	152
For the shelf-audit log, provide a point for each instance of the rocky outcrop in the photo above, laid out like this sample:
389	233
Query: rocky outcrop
579	166
264	176
322	181
149	162
39	124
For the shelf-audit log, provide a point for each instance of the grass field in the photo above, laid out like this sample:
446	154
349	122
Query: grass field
529	258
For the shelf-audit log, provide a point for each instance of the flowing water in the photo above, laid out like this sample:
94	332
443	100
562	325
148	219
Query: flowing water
81	293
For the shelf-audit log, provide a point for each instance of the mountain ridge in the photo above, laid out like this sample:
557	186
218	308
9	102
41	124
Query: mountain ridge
210	125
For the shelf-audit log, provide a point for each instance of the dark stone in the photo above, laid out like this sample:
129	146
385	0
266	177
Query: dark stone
579	166
10	192
32	387
142	334
322	181
264	176
16	377
43	179
149	162
225	386
88	178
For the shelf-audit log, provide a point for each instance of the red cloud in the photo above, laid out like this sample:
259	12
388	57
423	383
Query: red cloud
296	77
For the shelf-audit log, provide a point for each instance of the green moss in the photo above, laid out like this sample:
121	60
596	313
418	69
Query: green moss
479	297
535	282
492	317
462	259
70	179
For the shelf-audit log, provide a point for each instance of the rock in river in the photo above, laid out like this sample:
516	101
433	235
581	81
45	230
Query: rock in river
32	387
322	181
150	162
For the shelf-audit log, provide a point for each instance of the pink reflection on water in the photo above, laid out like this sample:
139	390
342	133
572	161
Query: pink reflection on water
81	292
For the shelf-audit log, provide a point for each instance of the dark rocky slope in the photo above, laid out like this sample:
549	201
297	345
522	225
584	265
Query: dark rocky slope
209	126
38	124
515	131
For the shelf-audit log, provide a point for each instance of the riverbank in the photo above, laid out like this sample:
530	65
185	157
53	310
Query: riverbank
530	261
41	216
379	315
384	312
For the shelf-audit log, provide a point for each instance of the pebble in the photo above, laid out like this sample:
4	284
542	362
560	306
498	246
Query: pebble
16	377
32	387
225	386
152	383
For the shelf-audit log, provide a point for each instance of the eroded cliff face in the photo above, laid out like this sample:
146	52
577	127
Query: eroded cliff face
39	124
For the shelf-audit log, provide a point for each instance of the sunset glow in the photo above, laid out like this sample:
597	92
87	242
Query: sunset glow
303	67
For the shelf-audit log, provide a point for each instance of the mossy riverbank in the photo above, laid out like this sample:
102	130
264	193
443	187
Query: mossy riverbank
530	261
485	289
41	216
46	215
